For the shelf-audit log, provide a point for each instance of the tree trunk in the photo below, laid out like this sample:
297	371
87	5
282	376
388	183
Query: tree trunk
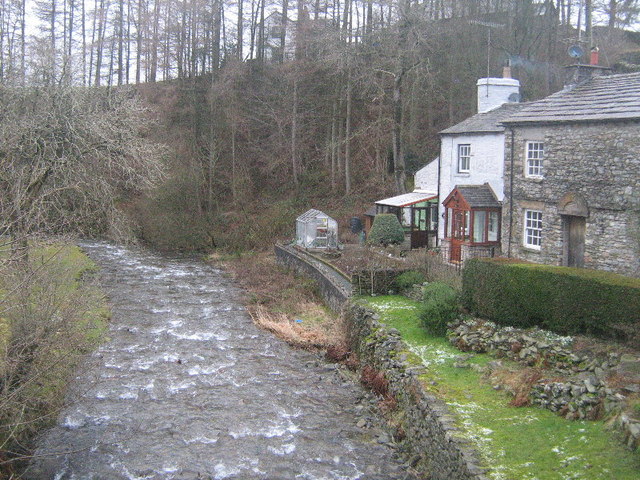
334	140
99	49
154	43
120	42
294	132
84	43
261	42
398	153
613	13
139	41
215	47
283	33
240	28
588	22
347	136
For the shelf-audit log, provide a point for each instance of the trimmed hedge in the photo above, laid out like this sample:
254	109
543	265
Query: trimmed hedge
386	230
562	299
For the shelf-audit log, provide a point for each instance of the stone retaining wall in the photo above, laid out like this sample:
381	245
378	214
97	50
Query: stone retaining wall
431	434
378	282
334	294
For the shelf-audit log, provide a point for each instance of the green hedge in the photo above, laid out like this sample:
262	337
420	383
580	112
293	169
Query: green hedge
386	230
440	307
564	300
406	280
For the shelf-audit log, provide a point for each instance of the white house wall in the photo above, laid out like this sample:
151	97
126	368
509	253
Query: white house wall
427	177
486	166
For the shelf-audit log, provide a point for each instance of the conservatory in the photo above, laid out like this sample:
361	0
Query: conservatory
472	222
315	229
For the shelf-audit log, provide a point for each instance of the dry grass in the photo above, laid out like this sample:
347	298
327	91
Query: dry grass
518	382
283	303
287	329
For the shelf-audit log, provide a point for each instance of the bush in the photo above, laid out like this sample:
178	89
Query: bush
386	230
440	307
47	326
562	299
406	280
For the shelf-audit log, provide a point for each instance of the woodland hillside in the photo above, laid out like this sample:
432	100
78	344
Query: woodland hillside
257	143
330	105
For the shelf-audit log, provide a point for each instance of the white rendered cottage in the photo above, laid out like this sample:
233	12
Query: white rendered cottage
472	155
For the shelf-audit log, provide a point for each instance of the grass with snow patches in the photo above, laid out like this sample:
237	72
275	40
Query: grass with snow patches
522	443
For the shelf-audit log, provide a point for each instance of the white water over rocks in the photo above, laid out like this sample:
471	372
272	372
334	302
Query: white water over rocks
187	387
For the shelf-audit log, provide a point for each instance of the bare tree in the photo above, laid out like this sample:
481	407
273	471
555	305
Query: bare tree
67	156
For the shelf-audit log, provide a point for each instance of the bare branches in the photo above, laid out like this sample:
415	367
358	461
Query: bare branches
68	155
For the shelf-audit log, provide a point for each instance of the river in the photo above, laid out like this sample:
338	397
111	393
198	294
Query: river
187	387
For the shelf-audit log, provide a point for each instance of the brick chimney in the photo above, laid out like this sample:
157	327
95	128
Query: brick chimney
494	92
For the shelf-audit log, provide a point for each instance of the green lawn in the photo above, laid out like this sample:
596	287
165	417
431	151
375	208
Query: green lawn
517	443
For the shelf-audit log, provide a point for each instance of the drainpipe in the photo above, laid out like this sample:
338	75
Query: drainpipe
511	155
438	205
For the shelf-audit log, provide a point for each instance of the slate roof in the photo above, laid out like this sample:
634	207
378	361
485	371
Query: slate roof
479	196
602	98
488	122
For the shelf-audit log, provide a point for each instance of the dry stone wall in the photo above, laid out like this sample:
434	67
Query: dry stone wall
430	428
584	390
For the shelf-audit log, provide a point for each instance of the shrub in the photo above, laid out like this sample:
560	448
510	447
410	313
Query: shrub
386	230
439	308
562	299
406	280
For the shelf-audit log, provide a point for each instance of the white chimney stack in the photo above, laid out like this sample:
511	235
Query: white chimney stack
494	92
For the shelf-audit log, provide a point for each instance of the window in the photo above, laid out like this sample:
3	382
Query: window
533	229
464	158
535	156
494	221
479	220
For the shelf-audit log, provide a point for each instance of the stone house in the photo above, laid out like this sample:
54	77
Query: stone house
572	176
471	165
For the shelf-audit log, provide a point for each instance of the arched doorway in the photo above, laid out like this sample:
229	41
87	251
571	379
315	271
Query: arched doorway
574	212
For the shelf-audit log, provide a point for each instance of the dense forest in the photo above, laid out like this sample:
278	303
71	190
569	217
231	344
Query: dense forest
329	105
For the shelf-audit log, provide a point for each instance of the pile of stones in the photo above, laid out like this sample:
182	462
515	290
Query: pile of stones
583	391
532	347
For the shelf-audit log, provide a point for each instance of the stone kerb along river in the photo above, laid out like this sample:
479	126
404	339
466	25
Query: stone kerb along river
186	387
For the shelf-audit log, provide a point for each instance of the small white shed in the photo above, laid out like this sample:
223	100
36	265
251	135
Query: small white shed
315	229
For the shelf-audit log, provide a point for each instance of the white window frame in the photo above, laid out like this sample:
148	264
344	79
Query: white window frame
532	231
534	165
464	153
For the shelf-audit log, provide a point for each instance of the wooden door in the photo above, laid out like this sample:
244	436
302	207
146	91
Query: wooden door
419	222
458	233
575	228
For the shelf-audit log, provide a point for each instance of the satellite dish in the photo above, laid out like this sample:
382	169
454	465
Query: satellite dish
514	98
575	51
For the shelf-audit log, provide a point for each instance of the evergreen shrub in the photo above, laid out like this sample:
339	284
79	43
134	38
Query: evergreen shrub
386	230
562	299
406	280
440	307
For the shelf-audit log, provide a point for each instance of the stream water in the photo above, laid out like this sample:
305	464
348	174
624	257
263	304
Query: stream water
186	387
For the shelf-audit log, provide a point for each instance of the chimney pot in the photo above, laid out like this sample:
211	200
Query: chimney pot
595	56
506	71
